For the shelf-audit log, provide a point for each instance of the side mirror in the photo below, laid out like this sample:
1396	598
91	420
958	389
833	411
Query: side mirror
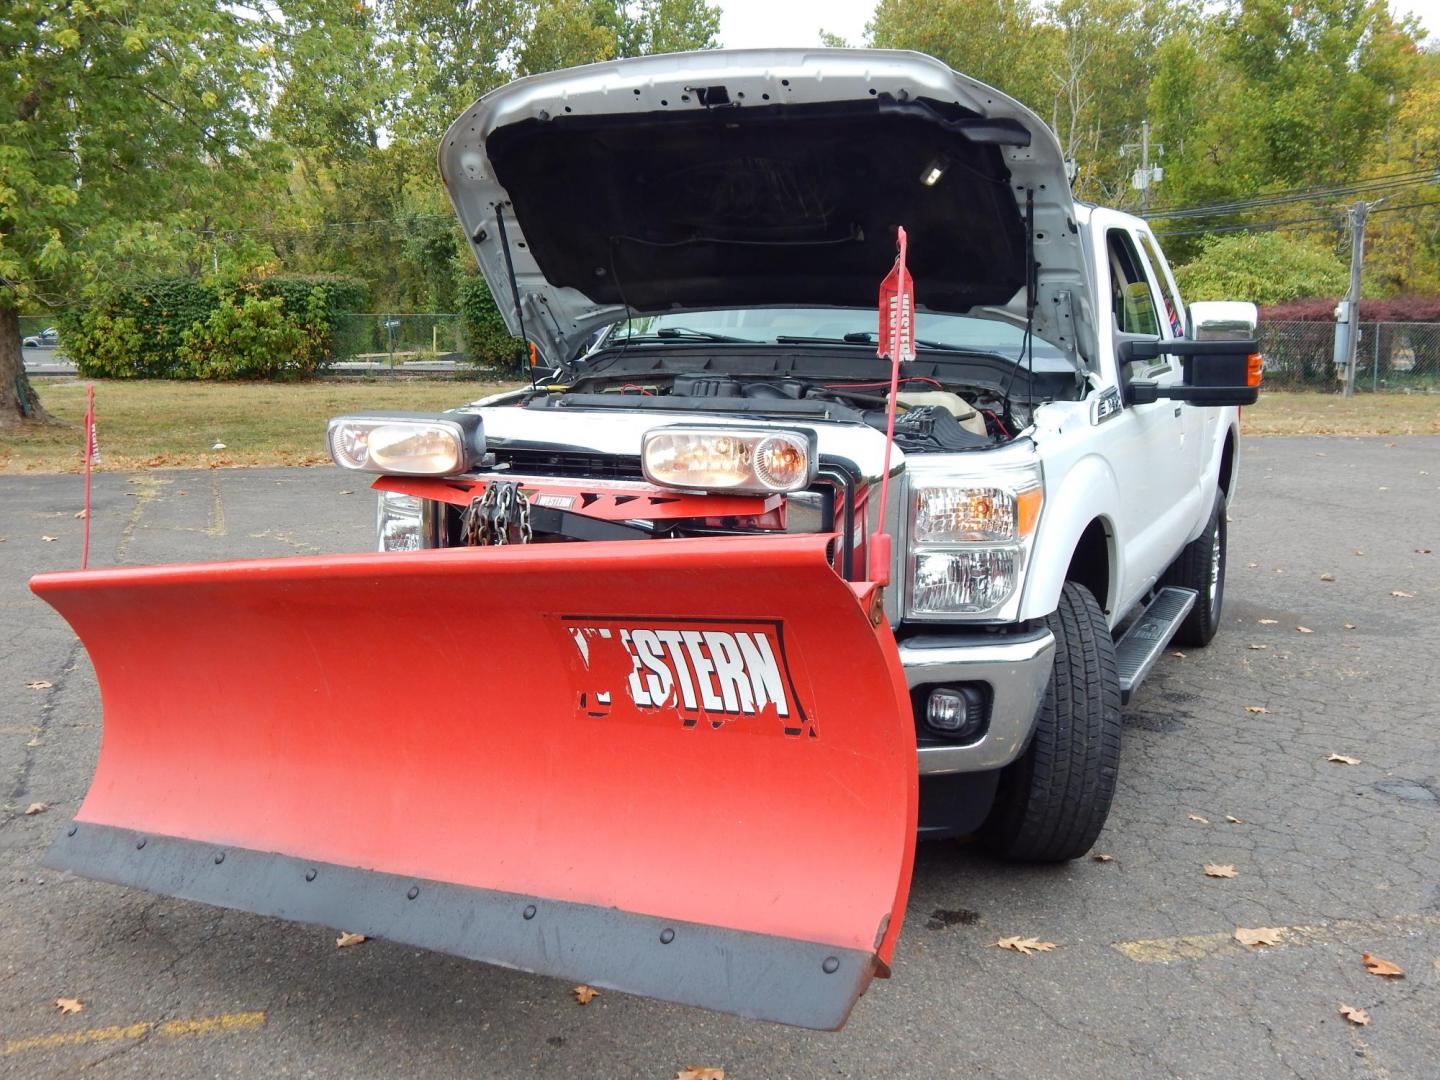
1223	320
1221	360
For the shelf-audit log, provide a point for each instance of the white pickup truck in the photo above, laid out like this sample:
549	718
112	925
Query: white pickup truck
697	240
668	657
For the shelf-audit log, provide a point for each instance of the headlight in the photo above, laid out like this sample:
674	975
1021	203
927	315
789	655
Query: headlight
397	522
409	445
981	514
970	541
729	459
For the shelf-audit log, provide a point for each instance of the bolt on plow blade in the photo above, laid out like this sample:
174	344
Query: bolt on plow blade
680	768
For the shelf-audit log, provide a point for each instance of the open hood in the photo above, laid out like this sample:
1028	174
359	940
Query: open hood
729	179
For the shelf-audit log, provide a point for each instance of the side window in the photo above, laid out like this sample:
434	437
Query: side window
1130	295
1174	313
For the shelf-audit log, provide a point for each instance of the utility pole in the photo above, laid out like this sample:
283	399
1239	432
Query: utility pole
1356	215
1145	165
1143	178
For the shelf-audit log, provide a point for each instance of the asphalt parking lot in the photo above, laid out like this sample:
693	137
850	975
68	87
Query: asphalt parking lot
1146	981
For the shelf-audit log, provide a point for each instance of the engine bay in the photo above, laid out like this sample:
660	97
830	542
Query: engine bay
941	406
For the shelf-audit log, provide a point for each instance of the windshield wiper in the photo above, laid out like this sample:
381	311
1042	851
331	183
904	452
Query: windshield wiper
679	333
861	337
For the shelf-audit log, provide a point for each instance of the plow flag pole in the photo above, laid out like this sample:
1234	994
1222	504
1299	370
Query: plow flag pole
92	453
896	341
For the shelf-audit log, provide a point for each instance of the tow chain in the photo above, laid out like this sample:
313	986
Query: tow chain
489	519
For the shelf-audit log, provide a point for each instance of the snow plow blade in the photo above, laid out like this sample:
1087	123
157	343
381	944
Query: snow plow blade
679	768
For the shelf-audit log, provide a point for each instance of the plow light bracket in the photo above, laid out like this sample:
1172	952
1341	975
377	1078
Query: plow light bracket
407	444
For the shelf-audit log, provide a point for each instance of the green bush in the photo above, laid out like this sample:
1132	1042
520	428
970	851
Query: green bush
1265	268
250	338
487	342
177	328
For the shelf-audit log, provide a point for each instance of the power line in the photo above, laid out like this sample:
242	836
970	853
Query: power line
1395	181
1273	226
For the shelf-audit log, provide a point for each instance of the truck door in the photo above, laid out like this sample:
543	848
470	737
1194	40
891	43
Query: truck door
1199	425
1155	459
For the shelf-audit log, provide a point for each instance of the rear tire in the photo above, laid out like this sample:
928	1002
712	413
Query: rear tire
1201	566
1053	800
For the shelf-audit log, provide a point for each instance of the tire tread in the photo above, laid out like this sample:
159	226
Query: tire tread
1052	802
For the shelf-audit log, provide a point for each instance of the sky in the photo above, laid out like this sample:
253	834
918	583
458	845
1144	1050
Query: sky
746	24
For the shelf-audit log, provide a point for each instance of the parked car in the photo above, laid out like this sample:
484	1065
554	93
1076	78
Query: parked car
46	339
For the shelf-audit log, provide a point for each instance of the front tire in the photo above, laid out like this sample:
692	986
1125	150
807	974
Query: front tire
1201	566
1053	800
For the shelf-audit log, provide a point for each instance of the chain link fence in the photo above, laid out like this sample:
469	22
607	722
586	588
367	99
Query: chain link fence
1391	356
399	339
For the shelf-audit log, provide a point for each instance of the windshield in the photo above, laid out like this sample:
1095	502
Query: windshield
841	326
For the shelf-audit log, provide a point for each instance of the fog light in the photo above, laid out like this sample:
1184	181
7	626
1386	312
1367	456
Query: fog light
956	712
946	711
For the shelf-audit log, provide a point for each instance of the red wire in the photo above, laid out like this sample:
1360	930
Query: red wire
1003	429
632	386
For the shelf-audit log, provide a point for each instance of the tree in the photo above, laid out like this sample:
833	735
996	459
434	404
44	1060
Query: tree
1000	42
125	126
1264	268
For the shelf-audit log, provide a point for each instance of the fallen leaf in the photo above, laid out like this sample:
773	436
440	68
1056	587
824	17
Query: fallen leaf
347	493
1268	622
1103	858
49	539
1256	709
1234	820
69	1005
1418	551
1327	577
1025	946
1259	646
584	994
1376	966
1402	595
1343	759
1356	1016
36	808
1304	630
1178	654
346	939
39	684
1220	870
1259	935
700	1072
1359	552
1197	817
1349	626
82	514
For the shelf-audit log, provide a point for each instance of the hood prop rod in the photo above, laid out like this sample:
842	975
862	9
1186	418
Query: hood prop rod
515	294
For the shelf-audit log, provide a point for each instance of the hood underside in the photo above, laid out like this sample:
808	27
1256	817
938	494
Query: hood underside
760	178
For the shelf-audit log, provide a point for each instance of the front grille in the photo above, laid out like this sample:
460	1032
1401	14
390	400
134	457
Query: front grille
568	463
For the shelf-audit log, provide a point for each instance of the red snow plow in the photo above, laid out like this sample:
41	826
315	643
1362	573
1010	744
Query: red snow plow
681	768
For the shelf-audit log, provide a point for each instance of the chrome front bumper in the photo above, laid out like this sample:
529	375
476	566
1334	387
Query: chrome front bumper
1017	668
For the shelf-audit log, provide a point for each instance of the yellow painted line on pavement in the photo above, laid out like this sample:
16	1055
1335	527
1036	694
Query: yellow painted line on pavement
169	1029
1199	946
